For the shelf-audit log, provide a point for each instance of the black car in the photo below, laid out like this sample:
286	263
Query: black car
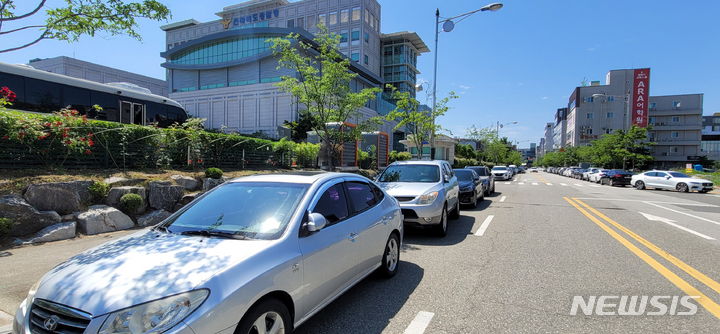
577	173
487	176
472	188
616	177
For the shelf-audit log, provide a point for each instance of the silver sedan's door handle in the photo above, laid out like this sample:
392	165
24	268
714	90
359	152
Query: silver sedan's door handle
385	220
352	236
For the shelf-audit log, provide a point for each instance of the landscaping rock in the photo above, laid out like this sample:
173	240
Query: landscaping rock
116	193
121	181
102	218
153	218
55	232
210	183
67	218
26	219
83	190
164	196
187	182
189	198
177	207
61	197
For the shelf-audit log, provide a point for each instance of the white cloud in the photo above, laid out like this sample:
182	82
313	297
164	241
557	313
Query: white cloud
545	98
461	93
464	87
594	47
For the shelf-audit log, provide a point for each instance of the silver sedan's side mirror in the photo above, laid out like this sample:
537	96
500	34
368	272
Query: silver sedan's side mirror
316	222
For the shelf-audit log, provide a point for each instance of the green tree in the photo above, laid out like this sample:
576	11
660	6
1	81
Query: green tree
420	124
77	18
484	136
300	128
465	151
513	158
322	86
496	151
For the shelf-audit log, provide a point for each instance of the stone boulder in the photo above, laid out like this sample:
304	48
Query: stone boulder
153	218
61	197
101	219
116	193
164	196
210	183
55	232
189	198
187	182
121	181
26	219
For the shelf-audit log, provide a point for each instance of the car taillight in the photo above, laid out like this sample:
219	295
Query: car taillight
618	175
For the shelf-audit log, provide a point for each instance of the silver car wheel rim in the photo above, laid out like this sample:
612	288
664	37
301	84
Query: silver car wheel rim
392	254
682	187
268	323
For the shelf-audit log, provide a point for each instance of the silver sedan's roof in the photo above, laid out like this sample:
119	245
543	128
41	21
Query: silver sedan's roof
293	177
417	162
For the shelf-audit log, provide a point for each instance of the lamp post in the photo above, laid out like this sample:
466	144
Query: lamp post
497	129
448	26
626	116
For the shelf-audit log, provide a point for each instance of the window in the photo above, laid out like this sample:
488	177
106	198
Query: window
355	35
361	196
344	16
355	56
610	115
716	120
651	120
365	59
675	119
590	115
343	37
321	19
333	18
673	149
367	15
589	99
291	23
310	22
301	22
676	104
674	134
332	204
367	37
377	24
372	21
356	14
652	104
589	131
611	98
608	131
379	195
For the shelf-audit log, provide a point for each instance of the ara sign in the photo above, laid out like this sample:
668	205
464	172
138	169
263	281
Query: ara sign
640	95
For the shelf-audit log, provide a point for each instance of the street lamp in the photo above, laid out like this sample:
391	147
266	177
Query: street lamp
448	26
626	116
497	128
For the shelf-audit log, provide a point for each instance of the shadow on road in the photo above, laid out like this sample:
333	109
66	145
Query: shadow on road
368	306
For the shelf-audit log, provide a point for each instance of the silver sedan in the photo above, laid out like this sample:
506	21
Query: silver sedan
259	254
663	179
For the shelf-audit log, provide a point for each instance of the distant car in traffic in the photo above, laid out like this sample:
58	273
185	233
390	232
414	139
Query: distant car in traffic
502	172
662	179
487	176
533	170
427	191
616	177
472	188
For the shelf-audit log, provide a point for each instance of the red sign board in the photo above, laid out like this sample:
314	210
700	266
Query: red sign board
640	95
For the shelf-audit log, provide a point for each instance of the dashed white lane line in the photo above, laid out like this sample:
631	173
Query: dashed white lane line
521	183
502	199
563	184
507	182
595	186
420	323
484	226
578	184
534	183
683	213
549	184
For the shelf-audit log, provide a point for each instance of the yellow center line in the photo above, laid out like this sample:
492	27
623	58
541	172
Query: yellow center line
706	302
542	179
688	269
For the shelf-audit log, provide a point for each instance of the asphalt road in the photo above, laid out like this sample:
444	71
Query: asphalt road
516	264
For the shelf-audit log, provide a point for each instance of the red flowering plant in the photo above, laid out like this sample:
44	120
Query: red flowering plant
7	97
62	132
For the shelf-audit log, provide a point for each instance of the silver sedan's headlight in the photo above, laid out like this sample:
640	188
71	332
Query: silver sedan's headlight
428	198
33	290
156	316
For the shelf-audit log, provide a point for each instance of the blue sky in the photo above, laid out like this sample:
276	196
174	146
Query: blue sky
517	64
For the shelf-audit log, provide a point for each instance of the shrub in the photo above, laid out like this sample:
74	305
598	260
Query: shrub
399	156
306	154
462	162
213	173
130	203
6	226
98	190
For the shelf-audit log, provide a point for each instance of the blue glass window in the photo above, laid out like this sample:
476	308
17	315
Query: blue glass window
225	51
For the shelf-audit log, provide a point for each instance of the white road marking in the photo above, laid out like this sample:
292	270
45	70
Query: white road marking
683	213
484	225
549	184
534	183
639	200
420	323
595	186
507	182
563	184
671	223
578	184
521	183
502	199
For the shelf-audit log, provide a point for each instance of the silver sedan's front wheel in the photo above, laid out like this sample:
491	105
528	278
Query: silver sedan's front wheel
268	323
391	257
268	317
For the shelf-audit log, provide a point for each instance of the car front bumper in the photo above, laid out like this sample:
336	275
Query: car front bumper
467	197
422	214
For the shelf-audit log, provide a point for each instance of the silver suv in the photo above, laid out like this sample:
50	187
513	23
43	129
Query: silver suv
427	192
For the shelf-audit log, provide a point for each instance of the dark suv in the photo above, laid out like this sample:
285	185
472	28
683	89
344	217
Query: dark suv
486	176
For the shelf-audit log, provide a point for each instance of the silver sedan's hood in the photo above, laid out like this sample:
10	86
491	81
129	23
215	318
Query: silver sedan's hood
139	268
407	189
693	179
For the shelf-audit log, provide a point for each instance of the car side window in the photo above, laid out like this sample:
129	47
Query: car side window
661	174
379	195
361	196
332	205
651	174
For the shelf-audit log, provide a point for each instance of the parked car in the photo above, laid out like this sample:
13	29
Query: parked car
663	179
595	177
266	250
533	170
514	169
428	192
502	173
616	177
577	173
487	176
472	188
586	174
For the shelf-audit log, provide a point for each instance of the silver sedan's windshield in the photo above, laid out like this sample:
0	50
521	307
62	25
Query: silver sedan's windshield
411	173
241	210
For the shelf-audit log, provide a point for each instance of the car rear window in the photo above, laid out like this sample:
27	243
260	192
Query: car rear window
482	171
